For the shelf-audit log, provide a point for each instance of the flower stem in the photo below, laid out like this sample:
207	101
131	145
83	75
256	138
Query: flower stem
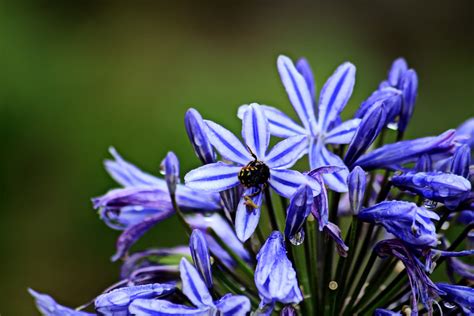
248	271
271	210
311	261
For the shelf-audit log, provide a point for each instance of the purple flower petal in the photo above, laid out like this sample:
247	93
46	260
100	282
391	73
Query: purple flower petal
356	182
461	161
233	305
200	254
247	217
193	286
128	174
298	210
171	167
466	131
285	182
118	300
133	233
372	124
164	308
227	144
335	233
399	67
406	151
460	295
446	188
48	306
275	277
255	130
405	220
335	93
343	133
197	133
214	177
298	93
319	156
304	69
409	87
280	124
224	231
287	152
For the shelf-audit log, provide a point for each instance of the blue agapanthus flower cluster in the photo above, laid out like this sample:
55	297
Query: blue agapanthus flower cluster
358	228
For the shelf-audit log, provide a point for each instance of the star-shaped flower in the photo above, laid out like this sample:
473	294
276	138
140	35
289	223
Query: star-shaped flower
254	167
323	129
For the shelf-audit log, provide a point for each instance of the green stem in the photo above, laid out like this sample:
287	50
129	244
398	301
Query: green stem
248	271
360	283
232	287
301	268
311	260
344	264
271	210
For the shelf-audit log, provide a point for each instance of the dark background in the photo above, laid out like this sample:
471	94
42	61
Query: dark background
77	77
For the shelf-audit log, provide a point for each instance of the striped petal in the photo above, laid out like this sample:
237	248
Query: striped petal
281	125
398	68
164	308
298	93
304	69
255	130
200	253
334	96
128	174
229	146
213	177
319	156
286	182
343	133
287	152
193	286
247	217
233	305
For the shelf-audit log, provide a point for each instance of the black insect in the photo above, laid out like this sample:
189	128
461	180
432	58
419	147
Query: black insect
254	175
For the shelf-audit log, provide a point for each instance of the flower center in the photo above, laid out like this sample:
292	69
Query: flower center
254	174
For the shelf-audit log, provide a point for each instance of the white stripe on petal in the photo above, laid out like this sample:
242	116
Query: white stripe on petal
343	133
214	177
227	144
287	152
255	130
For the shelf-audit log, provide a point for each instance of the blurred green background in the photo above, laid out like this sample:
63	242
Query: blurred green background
78	77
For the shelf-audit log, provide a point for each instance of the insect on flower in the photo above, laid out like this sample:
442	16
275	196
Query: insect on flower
254	175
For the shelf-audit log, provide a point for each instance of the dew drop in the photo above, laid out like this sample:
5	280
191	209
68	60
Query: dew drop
445	226
449	305
162	170
429	204
393	126
298	238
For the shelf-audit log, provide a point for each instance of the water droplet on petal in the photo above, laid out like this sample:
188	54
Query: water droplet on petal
449	305
298	238
333	285
445	226
429	204
393	126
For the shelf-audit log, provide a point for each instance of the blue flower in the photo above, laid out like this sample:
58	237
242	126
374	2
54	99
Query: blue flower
254	167
297	212
48	306
275	277
392	100
356	182
463	296
446	188
200	254
461	161
198	294
144	195
170	166
370	127
116	302
196	129
422	288
406	81
326	127
405	220
394	155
